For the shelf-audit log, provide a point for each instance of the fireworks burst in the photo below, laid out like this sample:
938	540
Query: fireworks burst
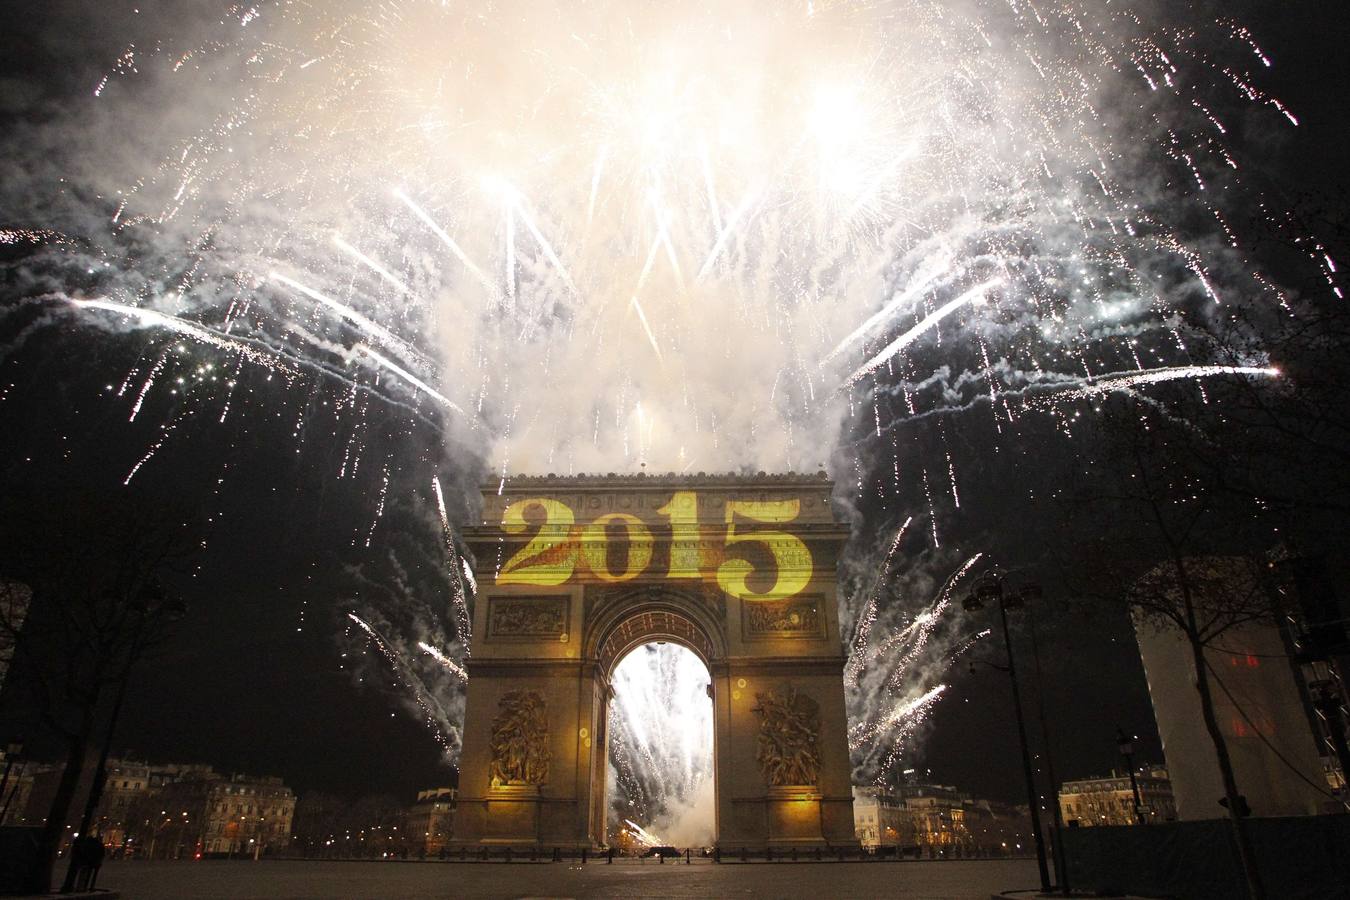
433	715
893	676
642	835
560	232
461	212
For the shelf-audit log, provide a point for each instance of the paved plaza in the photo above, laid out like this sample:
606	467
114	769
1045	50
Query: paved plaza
299	880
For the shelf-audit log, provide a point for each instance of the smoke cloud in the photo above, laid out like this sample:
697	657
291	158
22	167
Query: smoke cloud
568	237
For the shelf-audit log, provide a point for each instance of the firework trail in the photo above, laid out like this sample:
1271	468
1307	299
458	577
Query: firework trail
434	716
1123	381
863	630
449	664
893	676
463	576
556	232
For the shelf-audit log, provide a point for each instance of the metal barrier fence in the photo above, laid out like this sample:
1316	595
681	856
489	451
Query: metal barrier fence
685	856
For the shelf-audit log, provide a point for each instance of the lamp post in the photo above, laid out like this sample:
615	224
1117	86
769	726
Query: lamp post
1033	592
988	588
1127	750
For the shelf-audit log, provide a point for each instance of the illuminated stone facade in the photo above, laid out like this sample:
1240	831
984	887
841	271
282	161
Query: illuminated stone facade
575	572
1110	801
431	821
235	816
938	821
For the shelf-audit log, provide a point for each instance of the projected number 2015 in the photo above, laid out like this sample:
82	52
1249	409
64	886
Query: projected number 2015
554	551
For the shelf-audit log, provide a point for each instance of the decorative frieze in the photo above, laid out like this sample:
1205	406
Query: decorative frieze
528	618
799	617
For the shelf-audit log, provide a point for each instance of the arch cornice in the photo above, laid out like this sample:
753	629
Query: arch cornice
620	617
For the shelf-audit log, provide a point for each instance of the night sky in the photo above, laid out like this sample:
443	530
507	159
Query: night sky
256	680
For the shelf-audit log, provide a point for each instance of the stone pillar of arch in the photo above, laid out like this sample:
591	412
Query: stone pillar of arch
573	573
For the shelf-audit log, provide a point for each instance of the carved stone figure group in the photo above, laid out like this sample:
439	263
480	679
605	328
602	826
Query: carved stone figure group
520	753
789	733
526	618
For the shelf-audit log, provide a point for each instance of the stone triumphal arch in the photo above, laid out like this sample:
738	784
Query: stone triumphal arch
574	572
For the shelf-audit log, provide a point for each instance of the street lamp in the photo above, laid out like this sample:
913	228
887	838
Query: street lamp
988	589
1032	592
1127	750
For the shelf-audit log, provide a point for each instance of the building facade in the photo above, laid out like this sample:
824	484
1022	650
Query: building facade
1092	802
230	817
124	799
170	811
431	821
938	821
18	789
878	818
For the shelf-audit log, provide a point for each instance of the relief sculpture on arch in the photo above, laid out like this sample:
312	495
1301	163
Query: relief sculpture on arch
520	752
789	735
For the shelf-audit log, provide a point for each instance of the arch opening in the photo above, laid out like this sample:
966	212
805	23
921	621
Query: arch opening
660	773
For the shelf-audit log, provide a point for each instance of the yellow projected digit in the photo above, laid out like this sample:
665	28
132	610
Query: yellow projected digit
549	557
682	510
790	556
595	543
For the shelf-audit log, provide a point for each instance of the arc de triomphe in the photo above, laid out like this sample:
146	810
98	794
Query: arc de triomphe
574	572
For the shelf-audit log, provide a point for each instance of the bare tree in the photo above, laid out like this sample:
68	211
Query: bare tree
1206	598
1176	551
377	824
318	823
96	565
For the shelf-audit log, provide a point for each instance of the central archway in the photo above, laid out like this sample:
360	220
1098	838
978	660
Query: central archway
624	619
660	785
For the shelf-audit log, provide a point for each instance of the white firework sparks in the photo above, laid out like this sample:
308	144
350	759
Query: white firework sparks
591	235
433	716
893	677
661	735
449	664
520	213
